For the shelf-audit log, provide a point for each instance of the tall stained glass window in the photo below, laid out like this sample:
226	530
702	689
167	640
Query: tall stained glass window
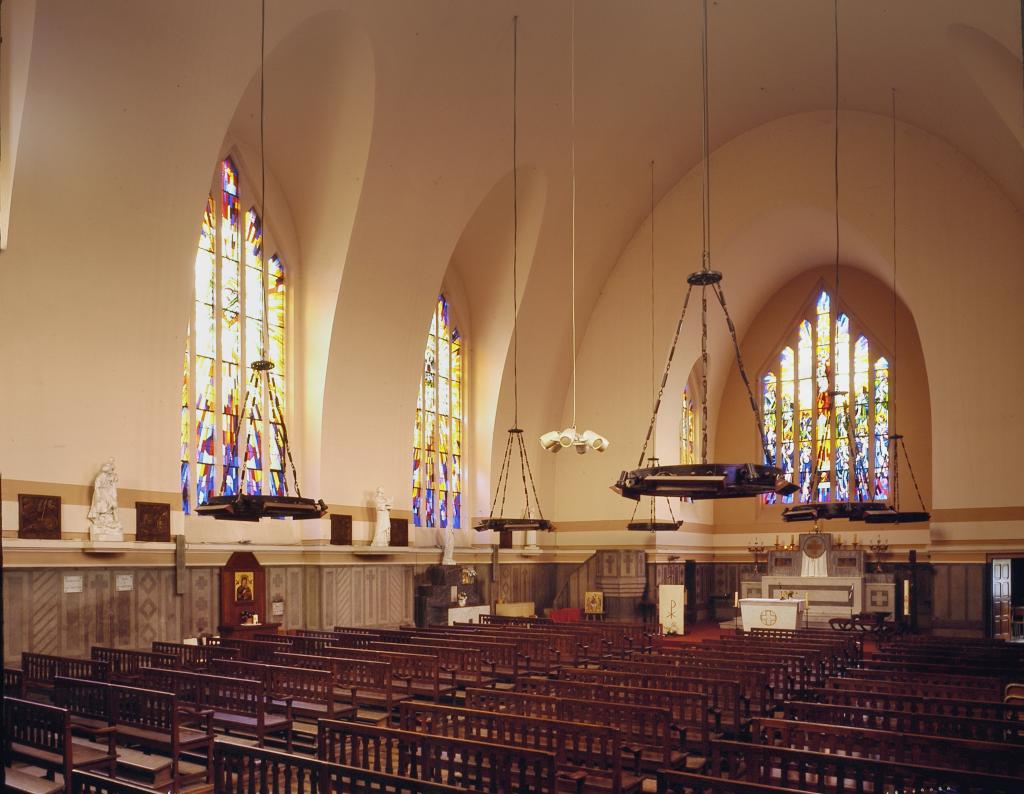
439	427
825	406
687	430
238	315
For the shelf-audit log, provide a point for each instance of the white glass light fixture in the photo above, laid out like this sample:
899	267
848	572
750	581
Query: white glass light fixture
557	440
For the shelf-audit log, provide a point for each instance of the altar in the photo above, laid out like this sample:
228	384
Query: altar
824	574
772	613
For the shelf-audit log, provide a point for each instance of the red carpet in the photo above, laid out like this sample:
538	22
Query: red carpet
696	632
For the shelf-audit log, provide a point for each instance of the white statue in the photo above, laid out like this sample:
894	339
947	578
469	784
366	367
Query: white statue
103	511
382	529
449	547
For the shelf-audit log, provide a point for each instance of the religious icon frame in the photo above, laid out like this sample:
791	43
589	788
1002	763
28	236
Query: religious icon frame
239	577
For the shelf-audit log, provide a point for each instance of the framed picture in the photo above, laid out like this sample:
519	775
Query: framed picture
593	602
153	522
38	516
244	581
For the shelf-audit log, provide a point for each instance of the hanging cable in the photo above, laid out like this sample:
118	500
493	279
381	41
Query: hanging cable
572	172
705	143
515	222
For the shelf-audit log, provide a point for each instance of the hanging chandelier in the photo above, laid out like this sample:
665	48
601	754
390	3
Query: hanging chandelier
570	437
253	507
514	445
703	480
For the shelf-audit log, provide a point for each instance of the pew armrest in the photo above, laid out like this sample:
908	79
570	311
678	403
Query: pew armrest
636	751
576	779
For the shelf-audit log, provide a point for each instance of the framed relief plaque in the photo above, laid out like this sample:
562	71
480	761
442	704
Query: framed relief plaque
341	530
38	516
153	522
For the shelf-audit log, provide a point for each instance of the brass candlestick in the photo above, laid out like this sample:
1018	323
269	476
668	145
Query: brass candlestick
757	548
879	549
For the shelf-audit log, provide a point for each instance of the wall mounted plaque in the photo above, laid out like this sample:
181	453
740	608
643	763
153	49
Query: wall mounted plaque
399	532
38	516
153	522
341	530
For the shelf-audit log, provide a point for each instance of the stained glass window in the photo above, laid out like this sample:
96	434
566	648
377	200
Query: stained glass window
826	411
239	315
687	430
438	428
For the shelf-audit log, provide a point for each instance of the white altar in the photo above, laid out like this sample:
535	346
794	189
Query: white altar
772	613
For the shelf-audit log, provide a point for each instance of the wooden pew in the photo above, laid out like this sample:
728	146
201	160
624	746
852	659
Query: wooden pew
939	751
124	665
548	648
644	729
672	782
756	691
461	665
912	687
590	755
14	682
91	783
254	650
1005	674
482	765
887	701
243	770
40	735
691	716
39	670
418	674
992	684
196	658
534	655
725	698
1005	731
310	691
499	660
156	720
362	682
237	704
824	772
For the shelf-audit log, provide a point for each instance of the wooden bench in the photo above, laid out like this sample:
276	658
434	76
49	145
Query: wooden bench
21	782
824	772
418	674
993	684
14	682
690	713
124	665
499	659
482	765
311	691
462	666
921	688
360	682
588	755
156	720
237	704
39	670
1005	731
757	694
887	701
194	657
254	650
939	751
647	732
532	653
243	770
725	698
40	735
672	782
91	783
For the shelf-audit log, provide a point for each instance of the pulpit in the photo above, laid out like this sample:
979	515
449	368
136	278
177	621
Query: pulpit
772	613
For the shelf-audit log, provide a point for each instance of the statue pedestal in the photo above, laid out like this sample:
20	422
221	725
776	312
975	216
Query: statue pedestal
106	535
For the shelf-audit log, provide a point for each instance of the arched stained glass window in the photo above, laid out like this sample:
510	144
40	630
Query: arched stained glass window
825	406
238	315
438	431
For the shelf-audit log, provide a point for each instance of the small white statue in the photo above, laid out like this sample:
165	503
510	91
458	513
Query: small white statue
382	529
103	521
449	547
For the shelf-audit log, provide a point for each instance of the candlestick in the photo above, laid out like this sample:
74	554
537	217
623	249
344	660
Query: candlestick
735	599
